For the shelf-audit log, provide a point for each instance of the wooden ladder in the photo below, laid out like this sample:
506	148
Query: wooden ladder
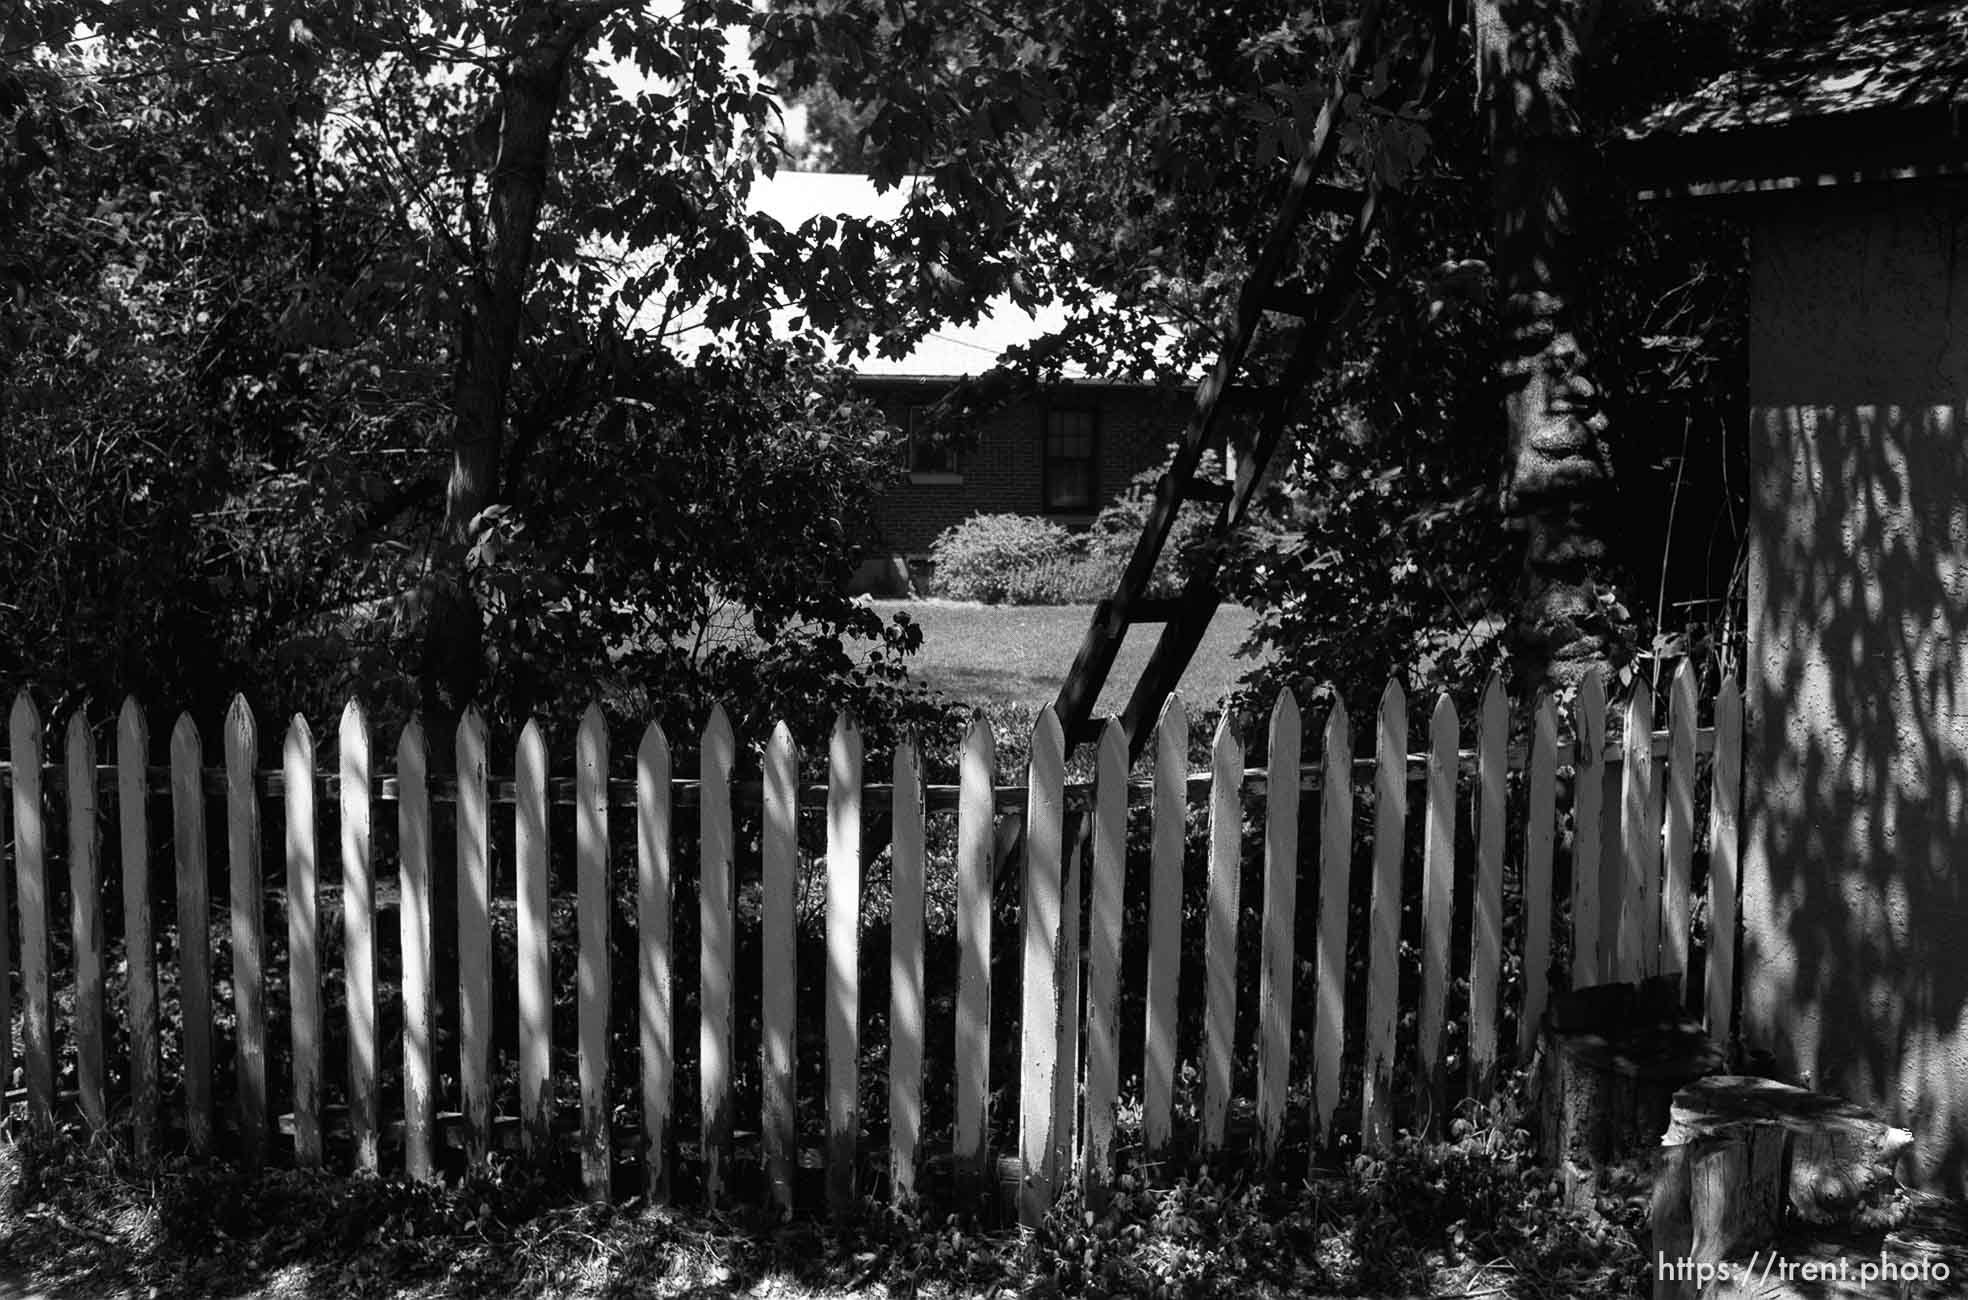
1320	311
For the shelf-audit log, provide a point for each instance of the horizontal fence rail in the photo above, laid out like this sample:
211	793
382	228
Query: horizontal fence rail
419	1005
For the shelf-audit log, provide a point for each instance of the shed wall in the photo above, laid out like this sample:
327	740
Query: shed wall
1855	888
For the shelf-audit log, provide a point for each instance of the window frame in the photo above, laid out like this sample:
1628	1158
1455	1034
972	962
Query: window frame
911	418
1091	412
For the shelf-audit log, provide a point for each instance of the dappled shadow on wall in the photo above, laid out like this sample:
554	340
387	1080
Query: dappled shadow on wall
1856	970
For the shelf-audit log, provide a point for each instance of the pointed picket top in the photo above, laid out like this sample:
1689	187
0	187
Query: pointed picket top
354	725
1590	715
653	750
25	714
239	721
780	747
1173	721
717	727
1047	733
591	740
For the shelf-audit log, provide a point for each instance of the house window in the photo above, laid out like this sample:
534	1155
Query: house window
932	459
1069	463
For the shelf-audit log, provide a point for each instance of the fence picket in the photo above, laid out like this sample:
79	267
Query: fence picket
975	831
653	892
1639	877
1103	1051
194	930
303	938
1335	885
1541	816
1066	1071
413	838
844	762
1678	853
1486	908
1724	848
1591	964
474	935
779	872
1039	921
717	954
31	884
593	975
1275	964
133	814
1384	920
1226	821
359	936
1171	833
242	757
905	974
1437	905
534	886
86	918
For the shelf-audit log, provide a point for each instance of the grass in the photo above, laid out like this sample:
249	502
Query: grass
1019	654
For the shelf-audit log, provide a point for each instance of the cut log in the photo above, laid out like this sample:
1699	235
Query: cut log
1613	1058
1841	1157
1756	1176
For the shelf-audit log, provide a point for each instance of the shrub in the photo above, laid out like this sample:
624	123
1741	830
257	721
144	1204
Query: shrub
988	557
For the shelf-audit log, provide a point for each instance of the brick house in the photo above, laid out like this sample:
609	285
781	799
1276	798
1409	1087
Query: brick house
1060	454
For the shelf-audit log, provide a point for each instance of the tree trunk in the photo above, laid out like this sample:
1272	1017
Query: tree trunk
532	88
452	653
1558	474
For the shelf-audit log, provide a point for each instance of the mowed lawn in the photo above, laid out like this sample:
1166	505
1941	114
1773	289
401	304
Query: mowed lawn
1019	654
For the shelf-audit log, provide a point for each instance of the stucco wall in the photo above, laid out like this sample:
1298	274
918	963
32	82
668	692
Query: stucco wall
1855	874
1003	472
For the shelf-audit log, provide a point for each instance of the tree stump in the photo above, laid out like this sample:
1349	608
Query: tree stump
1752	1168
1613	1057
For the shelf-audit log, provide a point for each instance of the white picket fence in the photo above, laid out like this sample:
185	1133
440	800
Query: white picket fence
1630	910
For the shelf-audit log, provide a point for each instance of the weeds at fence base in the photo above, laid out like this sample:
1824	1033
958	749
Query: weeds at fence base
1470	1216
